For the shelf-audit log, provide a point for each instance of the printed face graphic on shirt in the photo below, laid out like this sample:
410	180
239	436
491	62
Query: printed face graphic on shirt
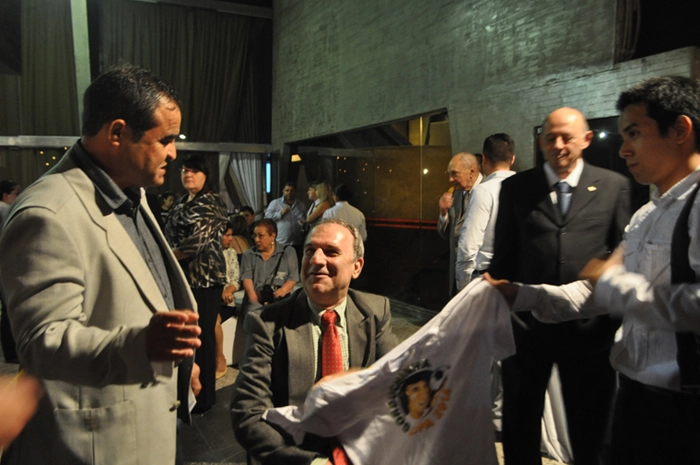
419	397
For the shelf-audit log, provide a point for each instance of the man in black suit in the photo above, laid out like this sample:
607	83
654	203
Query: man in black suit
283	351
465	174
546	231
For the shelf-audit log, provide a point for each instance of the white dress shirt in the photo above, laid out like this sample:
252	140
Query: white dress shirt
653	308
342	210
475	246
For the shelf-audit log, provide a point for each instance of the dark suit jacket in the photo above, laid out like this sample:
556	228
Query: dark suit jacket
278	368
534	244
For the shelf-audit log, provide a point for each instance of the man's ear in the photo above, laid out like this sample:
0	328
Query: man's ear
117	131
683	128
357	267
587	138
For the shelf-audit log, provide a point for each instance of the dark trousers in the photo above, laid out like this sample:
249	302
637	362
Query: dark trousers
208	302
653	426
6	338
587	384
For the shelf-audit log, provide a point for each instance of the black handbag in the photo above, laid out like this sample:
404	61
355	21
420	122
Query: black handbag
267	290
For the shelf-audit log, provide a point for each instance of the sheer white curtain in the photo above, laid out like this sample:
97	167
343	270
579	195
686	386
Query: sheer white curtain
245	171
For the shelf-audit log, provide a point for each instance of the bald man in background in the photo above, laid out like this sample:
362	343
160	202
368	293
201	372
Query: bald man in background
551	221
464	174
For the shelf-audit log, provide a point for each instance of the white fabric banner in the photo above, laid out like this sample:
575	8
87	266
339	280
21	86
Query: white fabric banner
427	401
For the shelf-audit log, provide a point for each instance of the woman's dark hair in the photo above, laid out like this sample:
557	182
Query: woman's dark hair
238	226
268	224
198	162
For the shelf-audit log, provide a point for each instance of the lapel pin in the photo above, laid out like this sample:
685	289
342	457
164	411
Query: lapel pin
592	188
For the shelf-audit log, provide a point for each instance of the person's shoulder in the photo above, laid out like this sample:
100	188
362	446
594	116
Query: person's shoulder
368	301
249	252
522	178
52	192
274	202
355	209
211	198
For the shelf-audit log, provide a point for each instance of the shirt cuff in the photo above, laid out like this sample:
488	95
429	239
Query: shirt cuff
319	461
605	289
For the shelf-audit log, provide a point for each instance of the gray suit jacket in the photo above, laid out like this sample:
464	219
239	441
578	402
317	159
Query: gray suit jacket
278	368
80	297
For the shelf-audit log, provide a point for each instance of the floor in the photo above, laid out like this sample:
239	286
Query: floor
209	440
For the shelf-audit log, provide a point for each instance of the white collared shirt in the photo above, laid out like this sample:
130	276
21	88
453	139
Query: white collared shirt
641	290
475	247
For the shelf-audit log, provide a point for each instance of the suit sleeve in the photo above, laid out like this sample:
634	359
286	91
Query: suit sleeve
622	213
385	338
252	396
504	244
44	274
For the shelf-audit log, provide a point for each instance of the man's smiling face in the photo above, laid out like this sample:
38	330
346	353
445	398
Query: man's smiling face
329	264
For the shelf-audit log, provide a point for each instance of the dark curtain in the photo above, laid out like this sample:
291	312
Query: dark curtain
205	55
42	100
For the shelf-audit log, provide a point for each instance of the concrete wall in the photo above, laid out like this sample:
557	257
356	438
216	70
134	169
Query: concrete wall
495	65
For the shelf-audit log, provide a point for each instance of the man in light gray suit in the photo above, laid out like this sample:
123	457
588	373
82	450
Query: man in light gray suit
465	175
90	283
283	350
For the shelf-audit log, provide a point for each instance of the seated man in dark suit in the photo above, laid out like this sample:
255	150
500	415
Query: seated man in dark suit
286	350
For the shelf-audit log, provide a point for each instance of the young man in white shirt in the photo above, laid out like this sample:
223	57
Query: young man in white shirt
475	247
656	418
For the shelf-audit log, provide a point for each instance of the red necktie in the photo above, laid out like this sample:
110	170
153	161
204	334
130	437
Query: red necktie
332	362
332	354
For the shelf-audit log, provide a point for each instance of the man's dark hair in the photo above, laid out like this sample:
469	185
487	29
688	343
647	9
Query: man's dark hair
127	93
268	224
290	183
198	162
343	193
666	98
246	208
238	226
7	187
499	148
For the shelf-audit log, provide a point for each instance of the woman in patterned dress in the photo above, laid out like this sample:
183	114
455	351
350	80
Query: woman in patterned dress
194	229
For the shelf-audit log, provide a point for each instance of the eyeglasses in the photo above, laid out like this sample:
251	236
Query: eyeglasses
190	170
259	236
